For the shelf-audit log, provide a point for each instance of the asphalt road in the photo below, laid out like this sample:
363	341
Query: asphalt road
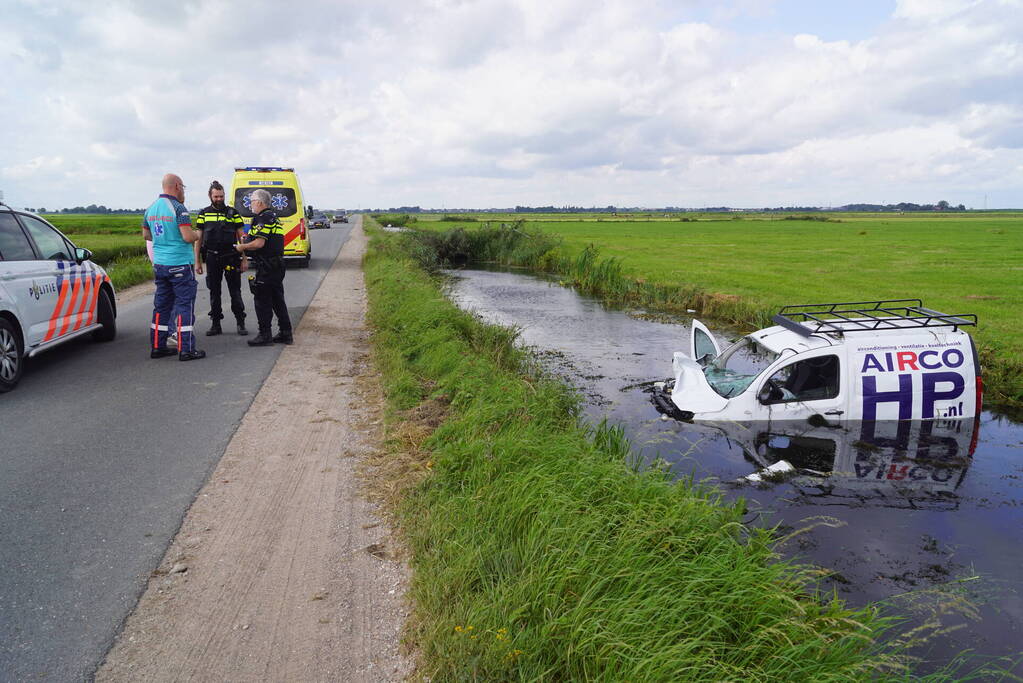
102	451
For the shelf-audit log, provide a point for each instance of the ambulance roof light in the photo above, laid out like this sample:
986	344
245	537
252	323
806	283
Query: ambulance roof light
264	169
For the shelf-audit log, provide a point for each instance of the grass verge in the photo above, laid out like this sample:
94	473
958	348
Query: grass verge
129	270
538	553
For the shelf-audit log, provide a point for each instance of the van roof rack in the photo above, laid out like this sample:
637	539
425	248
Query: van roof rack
858	316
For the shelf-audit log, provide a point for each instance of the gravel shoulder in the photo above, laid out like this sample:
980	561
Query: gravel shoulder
282	569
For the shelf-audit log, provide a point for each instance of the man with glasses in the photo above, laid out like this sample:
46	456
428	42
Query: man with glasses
266	247
169	227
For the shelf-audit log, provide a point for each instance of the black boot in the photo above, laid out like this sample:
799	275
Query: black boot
191	355
215	329
284	338
242	332
262	339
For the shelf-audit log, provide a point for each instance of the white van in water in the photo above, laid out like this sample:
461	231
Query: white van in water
866	360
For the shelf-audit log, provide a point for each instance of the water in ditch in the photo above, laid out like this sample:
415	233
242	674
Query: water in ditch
901	513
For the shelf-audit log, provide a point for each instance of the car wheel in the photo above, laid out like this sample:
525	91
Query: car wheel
11	360
105	317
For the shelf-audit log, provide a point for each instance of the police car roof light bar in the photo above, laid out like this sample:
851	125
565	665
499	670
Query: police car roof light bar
265	169
878	316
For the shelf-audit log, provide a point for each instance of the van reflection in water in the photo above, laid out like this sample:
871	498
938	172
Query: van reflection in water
910	464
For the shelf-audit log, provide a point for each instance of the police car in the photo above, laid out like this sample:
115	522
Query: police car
50	292
867	360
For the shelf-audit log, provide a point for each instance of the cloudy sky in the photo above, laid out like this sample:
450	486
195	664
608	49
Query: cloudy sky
483	103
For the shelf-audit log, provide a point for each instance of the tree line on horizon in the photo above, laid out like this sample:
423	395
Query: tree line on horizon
610	209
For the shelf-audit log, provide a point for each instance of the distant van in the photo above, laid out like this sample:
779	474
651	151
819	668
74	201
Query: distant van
285	200
866	360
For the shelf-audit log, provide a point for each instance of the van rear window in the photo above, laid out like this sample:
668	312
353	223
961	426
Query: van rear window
282	200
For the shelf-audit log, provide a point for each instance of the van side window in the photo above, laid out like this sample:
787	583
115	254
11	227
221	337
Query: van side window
51	245
14	246
812	379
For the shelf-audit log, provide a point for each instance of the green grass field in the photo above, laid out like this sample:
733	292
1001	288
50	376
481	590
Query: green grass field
955	263
115	242
85	223
108	237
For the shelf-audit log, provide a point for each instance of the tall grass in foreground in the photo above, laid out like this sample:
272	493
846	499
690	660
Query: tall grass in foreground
539	554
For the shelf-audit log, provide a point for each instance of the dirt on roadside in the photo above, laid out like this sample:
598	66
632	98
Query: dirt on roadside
282	569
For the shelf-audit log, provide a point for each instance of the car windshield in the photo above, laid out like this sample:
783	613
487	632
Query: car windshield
734	370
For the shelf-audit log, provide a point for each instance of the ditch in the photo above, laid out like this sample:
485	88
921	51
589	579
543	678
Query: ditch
899	514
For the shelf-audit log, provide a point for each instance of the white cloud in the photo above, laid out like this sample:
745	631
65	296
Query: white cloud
493	102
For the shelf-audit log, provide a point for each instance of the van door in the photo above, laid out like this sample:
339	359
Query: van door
702	346
804	385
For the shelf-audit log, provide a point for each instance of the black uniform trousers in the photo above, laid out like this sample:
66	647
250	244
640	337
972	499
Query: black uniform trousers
268	299
225	264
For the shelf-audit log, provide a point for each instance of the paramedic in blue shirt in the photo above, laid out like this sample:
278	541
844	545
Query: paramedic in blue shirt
169	227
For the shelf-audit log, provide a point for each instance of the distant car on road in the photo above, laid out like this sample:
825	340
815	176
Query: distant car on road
50	292
319	221
340	218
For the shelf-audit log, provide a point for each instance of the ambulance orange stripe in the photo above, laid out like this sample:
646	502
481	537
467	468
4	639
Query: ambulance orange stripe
292	234
56	311
76	288
86	298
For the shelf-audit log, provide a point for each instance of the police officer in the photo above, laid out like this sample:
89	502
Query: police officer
221	227
266	247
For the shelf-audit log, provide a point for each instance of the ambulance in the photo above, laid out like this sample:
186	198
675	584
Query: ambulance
866	360
285	200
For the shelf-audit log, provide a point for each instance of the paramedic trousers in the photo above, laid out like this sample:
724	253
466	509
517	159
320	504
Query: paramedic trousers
268	299
174	301
225	265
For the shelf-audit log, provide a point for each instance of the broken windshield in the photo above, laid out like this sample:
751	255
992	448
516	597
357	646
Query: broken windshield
734	370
